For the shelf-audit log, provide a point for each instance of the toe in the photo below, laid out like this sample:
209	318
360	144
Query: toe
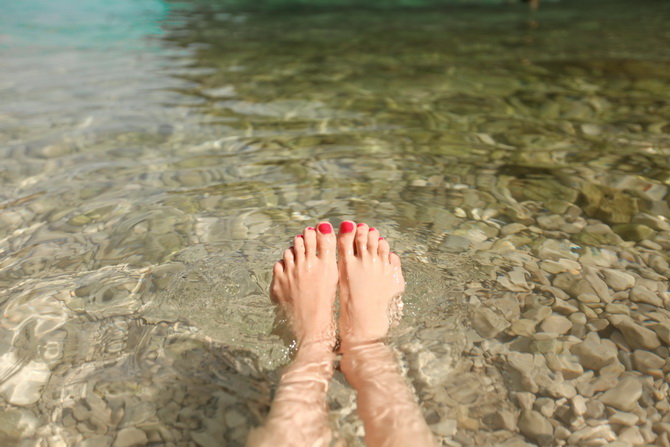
383	249
309	241
345	238
278	268
277	275
373	240
394	260
361	239
299	246
325	240
289	258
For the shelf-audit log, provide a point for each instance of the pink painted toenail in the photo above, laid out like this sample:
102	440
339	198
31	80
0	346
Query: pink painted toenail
372	228
300	235
380	238
310	228
325	228
360	224
346	227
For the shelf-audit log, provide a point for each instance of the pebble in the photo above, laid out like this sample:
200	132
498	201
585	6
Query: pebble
618	280
204	439
556	324
545	405
512	228
662	331
578	318
617	308
634	232
16	424
646	361
599	432
637	336
624	395
588	298
594	353
130	437
631	435
535	426
25	386
567	368
655	222
524	327
599	286
641	294
621	418
446	427
487	323
564	307
455	244
537	313
97	441
560	266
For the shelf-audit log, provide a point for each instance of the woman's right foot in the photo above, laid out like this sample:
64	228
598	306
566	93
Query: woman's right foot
370	280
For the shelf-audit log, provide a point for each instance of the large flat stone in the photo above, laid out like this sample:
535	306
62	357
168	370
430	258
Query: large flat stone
593	353
638	337
624	396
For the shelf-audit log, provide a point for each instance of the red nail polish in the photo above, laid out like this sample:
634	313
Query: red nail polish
310	228
360	224
300	235
346	227
372	228
325	228
380	238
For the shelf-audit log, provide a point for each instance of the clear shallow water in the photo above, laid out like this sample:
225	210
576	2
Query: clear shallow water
158	157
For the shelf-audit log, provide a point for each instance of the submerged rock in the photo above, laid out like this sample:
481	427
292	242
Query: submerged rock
536	427
637	336
25	387
624	396
594	353
487	323
640	294
610	205
618	280
634	232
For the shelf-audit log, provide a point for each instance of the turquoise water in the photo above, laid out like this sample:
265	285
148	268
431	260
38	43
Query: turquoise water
157	157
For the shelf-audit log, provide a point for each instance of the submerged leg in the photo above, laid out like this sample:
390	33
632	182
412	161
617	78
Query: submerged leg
304	282
370	280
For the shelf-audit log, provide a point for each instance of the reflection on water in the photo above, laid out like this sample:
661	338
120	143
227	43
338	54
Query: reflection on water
157	157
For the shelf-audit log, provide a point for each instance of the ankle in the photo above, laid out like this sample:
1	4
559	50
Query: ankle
358	346
315	349
365	361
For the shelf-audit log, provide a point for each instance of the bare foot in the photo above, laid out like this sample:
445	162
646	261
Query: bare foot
370	280
305	282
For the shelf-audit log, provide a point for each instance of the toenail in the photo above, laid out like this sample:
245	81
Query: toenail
310	228
372	228
346	227
300	235
360	224
380	238
325	228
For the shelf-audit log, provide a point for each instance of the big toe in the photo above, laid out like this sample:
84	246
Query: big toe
345	238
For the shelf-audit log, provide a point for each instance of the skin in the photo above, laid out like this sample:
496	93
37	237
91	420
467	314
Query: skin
370	279
305	283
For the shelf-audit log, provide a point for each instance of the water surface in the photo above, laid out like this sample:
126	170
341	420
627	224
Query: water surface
157	158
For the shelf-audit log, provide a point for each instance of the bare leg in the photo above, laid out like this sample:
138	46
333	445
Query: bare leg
304	283
370	279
